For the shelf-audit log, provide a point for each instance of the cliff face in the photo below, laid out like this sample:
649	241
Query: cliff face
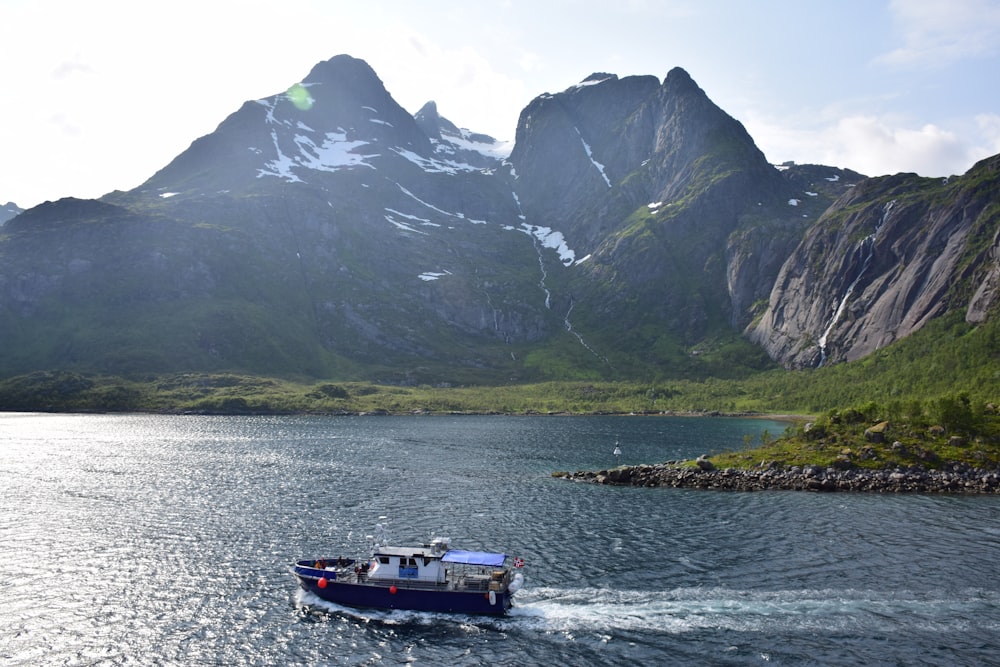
324	231
887	257
680	217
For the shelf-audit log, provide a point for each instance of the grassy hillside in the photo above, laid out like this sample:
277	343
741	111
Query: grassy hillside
946	358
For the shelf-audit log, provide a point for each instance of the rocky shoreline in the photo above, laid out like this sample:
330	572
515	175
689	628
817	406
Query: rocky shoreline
954	478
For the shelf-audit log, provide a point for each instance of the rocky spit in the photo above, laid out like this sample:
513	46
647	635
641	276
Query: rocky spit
955	478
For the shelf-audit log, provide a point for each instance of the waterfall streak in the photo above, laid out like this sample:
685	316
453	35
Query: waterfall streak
579	337
866	248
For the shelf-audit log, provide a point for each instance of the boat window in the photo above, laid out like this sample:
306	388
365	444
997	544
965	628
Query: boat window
384	560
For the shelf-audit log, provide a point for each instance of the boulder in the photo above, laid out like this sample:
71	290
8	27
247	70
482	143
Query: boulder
704	464
877	432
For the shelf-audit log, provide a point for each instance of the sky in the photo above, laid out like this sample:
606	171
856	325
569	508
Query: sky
98	95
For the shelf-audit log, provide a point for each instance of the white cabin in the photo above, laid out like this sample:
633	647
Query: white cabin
418	564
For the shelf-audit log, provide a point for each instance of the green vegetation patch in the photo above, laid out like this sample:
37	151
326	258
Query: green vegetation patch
930	434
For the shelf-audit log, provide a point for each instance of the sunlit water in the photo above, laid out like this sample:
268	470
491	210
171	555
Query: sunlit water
167	540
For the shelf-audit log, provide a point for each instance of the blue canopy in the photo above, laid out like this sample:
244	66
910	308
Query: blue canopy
473	558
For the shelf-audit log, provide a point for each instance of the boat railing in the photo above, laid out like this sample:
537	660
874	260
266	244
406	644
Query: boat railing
457	578
333	568
497	580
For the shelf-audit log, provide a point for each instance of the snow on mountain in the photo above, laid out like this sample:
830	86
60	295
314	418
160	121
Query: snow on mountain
312	150
458	147
296	147
8	211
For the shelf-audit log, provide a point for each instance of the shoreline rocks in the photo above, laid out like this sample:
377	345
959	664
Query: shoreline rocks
957	478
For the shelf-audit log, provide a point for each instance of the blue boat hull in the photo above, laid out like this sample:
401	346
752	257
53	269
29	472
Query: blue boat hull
378	596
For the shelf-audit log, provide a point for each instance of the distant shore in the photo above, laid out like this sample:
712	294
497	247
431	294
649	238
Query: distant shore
957	478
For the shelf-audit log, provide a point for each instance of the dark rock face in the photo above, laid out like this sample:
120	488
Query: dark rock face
955	479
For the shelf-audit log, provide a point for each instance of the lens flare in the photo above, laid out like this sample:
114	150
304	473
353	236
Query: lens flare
300	97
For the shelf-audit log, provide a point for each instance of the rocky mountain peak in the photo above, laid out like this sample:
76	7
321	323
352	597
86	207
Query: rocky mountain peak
678	81
457	146
339	118
345	72
8	211
428	118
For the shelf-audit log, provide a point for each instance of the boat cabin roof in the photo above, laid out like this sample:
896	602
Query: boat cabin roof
406	552
474	558
451	556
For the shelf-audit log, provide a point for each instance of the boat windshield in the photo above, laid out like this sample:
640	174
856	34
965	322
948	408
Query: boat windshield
474	558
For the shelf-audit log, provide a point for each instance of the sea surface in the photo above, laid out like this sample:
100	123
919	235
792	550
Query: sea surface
167	540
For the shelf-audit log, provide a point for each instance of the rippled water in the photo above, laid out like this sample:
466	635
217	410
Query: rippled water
167	540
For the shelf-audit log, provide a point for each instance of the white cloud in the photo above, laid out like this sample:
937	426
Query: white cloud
937	34
877	145
872	146
989	128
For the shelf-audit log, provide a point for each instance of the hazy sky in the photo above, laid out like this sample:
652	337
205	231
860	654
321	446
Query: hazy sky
97	95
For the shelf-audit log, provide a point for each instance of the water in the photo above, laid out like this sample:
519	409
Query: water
128	540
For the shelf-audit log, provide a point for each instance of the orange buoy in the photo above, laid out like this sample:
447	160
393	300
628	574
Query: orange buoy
322	582
392	589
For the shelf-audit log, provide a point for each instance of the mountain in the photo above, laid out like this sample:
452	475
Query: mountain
682	220
904	250
8	211
633	229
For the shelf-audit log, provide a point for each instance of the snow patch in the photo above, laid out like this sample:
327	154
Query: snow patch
428	276
585	84
404	226
590	154
334	153
409	217
433	166
280	166
269	105
466	141
432	207
550	238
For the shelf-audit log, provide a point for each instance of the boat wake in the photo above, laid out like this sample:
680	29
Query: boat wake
689	609
677	611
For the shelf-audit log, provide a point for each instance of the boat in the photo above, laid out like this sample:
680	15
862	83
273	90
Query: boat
430	577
